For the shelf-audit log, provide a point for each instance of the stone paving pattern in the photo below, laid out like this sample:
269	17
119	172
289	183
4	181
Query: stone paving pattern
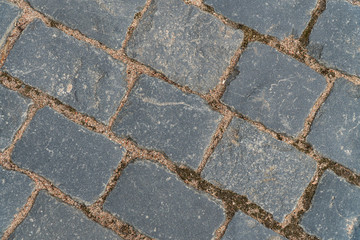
172	119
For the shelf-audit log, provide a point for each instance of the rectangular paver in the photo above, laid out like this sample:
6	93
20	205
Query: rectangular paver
159	204
189	46
104	20
75	72
78	161
254	164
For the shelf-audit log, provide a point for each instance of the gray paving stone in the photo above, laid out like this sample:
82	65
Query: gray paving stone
76	160
335	211
274	89
15	188
158	115
279	18
191	47
73	71
254	164
13	108
334	39
336	128
158	203
243	227
104	20
8	15
51	219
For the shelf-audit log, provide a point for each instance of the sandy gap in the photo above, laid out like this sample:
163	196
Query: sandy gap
131	79
310	118
344	172
112	181
219	233
315	14
304	202
21	215
215	139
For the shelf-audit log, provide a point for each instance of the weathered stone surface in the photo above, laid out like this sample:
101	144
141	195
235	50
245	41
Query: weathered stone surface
13	108
158	115
243	227
104	20
51	219
76	160
334	39
336	128
335	211
254	164
274	89
158	203
76	73
15	188
8	15
279	18
191	47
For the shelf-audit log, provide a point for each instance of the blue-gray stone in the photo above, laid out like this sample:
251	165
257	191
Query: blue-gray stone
269	172
274	89
279	18
336	129
15	188
189	46
76	160
158	203
50	218
104	20
78	74
335	212
13	108
243	227
8	15
334	39
157	115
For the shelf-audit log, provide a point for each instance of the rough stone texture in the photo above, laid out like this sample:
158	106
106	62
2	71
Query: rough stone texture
78	161
274	89
15	188
74	72
243	227
158	115
336	129
191	47
335	37
335	212
8	15
13	110
254	164
279	18
159	204
104	20
51	219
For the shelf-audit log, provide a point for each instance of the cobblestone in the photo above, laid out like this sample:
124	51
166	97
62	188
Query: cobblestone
280	18
243	227
77	160
8	15
274	89
335	130
78	74
178	120
13	109
158	203
334	214
14	190
334	39
104	20
260	168
184	43
51	219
